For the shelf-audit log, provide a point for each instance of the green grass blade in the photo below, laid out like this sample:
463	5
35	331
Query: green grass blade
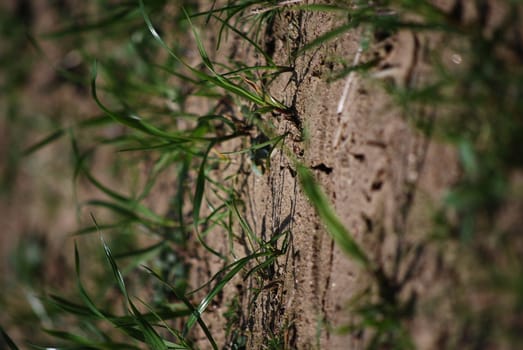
131	213
258	48
272	142
215	78
200	188
40	144
335	33
70	307
194	312
86	343
114	267
144	251
83	293
76	339
333	224
246	227
235	268
152	338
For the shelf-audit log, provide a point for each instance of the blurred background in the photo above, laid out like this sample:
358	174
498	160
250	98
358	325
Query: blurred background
46	52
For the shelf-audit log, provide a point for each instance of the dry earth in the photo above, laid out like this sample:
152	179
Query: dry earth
383	176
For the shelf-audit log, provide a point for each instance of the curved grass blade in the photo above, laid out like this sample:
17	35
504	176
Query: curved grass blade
152	338
70	307
334	33
333	224
246	227
144	251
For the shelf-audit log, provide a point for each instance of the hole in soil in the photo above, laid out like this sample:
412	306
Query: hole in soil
376	185
368	222
322	167
359	156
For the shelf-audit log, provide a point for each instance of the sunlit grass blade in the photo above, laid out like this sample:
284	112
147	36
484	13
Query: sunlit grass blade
114	268
226	84
333	224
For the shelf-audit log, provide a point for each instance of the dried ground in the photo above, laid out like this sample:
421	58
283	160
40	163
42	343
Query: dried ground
382	174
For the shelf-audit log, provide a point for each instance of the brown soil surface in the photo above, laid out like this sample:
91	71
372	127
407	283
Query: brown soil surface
382	175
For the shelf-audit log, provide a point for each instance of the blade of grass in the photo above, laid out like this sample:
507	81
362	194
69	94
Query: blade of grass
194	312
47	140
258	48
214	78
170	345
152	338
336	229
83	293
235	268
200	188
114	267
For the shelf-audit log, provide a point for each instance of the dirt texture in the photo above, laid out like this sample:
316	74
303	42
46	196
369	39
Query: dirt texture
382	175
